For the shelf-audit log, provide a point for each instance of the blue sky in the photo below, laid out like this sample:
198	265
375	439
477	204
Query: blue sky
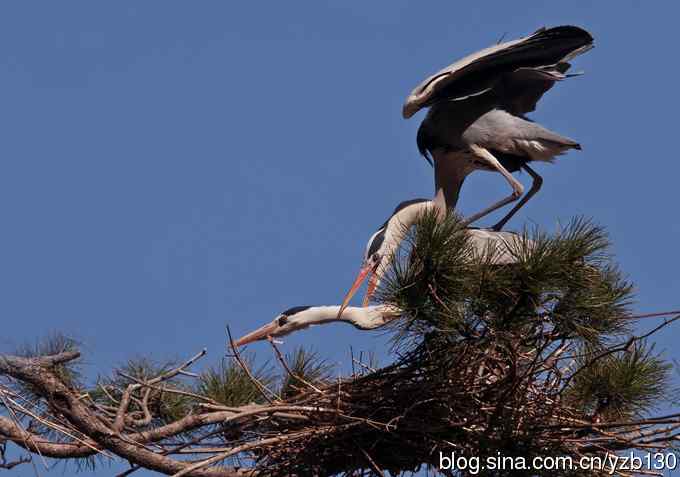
169	168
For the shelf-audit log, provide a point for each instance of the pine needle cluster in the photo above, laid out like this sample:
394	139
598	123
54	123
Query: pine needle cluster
525	358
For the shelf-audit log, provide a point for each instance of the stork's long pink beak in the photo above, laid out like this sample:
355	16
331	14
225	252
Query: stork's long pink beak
260	334
363	273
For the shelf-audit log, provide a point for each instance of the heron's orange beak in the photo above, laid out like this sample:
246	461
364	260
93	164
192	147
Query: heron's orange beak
363	273
372	285
257	335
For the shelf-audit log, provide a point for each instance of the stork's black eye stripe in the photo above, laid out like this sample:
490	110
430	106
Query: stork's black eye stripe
283	320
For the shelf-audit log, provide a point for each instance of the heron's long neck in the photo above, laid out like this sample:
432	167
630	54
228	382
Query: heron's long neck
319	315
361	317
397	228
324	314
449	174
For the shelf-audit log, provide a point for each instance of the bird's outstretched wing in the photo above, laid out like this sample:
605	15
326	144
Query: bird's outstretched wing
541	57
519	92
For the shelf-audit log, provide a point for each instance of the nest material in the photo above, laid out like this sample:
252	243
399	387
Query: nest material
476	399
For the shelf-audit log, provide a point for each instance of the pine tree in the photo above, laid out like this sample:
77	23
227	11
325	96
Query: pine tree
536	358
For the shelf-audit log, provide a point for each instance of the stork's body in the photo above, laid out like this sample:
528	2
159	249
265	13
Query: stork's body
477	113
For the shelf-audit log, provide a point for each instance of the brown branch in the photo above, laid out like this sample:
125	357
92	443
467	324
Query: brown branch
262	388
64	401
60	429
251	445
124	404
35	443
652	315
164	389
285	366
618	348
372	463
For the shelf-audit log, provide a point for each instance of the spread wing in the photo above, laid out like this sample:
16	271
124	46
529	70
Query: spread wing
519	92
528	66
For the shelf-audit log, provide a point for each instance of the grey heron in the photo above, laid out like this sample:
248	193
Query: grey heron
301	317
477	121
378	254
385	241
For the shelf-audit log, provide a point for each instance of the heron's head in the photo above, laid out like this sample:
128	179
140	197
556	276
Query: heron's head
382	245
373	257
425	143
293	319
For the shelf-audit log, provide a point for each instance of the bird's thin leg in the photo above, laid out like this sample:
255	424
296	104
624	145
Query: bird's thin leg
535	187
491	161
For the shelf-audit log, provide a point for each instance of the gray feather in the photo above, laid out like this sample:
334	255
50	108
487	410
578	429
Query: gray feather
481	70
